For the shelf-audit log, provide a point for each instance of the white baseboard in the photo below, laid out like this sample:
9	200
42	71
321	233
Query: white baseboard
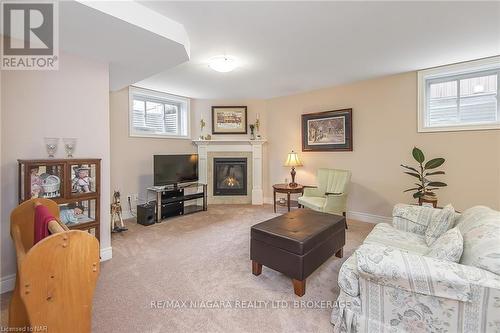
7	283
106	253
369	218
358	216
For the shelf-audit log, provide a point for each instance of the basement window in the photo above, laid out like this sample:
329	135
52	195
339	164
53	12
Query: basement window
157	114
460	97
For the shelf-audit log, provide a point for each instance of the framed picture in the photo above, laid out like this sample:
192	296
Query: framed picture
229	120
327	131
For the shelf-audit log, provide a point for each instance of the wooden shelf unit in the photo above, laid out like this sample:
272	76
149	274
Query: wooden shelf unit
33	182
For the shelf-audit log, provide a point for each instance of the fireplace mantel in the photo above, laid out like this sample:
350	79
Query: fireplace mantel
229	141
234	145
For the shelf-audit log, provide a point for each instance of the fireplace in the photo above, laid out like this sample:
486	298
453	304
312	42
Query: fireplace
230	176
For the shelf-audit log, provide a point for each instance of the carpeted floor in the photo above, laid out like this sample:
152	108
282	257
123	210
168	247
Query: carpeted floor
203	259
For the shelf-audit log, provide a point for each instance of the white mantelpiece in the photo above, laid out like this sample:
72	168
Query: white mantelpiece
234	145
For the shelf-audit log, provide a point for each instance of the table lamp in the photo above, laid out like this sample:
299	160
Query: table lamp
293	161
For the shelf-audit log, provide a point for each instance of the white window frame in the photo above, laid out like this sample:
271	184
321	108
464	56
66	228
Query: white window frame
462	69
158	96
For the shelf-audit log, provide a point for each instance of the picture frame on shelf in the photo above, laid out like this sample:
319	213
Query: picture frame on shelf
229	120
327	131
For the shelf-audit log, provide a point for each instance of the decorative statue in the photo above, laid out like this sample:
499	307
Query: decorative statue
202	126
82	181
116	210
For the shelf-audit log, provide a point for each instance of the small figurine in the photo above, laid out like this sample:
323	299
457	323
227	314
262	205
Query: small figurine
252	129
82	181
36	183
116	209
70	213
202	126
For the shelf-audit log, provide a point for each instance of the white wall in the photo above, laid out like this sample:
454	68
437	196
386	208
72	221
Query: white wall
70	102
137	153
384	133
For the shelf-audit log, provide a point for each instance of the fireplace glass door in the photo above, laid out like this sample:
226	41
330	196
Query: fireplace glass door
230	176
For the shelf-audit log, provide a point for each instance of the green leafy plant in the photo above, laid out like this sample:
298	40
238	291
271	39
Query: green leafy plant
425	186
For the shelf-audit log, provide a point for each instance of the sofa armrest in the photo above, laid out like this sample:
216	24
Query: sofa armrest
313	191
411	218
335	203
415	273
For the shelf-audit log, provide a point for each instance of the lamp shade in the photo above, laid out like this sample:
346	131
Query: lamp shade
293	160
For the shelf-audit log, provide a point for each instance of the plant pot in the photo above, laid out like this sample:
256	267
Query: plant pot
428	199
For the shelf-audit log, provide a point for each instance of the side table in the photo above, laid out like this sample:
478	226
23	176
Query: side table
286	188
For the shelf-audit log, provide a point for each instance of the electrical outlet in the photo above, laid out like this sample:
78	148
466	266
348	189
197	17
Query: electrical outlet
129	197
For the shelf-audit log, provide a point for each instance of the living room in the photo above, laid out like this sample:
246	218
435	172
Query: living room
380	79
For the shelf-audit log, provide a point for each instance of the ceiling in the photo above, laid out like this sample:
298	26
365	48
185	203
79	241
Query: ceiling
119	34
290	47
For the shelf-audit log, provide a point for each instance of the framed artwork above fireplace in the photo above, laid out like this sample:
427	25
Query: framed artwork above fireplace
229	120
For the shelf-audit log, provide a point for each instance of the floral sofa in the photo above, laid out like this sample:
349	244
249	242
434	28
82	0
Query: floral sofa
397	282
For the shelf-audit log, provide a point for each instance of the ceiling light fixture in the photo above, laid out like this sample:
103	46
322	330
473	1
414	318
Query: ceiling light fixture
223	63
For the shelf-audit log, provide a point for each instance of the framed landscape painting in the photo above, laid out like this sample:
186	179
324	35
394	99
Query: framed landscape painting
229	120
327	131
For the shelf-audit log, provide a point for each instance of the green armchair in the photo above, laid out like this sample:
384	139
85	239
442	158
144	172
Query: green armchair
330	196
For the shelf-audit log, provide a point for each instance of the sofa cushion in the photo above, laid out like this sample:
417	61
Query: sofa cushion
315	203
441	221
480	228
412	218
386	234
447	247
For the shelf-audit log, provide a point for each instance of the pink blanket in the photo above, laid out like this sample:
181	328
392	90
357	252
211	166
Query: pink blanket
42	219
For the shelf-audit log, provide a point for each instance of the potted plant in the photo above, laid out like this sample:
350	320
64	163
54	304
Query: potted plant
424	190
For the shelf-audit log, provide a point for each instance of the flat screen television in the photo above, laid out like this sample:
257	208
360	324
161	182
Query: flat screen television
175	169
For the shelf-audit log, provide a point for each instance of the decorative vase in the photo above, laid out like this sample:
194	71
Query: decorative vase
69	146
51	146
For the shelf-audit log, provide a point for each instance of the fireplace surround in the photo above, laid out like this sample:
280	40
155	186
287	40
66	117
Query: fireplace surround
251	149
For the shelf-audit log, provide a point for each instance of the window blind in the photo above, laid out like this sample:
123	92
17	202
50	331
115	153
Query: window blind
153	116
463	100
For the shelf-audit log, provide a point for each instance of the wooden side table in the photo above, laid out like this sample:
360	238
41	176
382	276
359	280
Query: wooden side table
285	188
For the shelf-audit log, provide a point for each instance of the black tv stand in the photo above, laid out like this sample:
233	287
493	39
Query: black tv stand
170	201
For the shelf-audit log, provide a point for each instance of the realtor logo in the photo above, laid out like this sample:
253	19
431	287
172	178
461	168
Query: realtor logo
29	35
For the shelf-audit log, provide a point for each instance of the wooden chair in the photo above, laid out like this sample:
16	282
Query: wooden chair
55	278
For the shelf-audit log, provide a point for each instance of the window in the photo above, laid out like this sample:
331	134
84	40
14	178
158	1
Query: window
156	114
464	96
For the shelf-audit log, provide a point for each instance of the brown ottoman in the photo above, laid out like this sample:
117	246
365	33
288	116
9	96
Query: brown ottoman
297	243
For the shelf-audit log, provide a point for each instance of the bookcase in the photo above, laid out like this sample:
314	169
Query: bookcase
73	183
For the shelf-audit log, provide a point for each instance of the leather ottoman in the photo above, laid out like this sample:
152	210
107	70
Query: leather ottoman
297	243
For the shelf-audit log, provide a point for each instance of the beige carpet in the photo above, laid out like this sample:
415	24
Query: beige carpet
204	258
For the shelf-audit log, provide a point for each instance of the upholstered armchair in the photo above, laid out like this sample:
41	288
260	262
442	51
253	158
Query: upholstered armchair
330	196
